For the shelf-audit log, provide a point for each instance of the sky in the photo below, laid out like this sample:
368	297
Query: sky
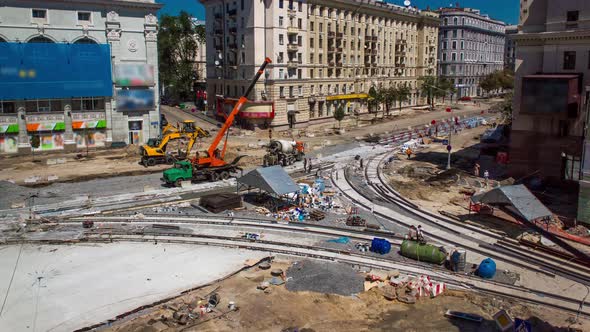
504	10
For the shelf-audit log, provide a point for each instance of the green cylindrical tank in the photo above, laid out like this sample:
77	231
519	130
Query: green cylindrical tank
423	252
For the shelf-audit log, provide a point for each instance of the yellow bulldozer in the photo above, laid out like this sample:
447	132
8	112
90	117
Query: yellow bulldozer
154	151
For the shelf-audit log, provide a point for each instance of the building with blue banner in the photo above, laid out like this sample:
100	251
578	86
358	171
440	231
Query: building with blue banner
76	74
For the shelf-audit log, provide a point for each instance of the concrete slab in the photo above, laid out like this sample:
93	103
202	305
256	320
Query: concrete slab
64	288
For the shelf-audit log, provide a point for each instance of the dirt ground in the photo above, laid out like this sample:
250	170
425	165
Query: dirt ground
125	161
417	179
282	310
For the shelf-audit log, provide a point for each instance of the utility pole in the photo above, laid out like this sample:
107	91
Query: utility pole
449	147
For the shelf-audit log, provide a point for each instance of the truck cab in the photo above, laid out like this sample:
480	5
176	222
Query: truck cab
182	170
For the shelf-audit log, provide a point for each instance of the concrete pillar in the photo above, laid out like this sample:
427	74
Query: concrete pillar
151	48
24	145
108	109
69	142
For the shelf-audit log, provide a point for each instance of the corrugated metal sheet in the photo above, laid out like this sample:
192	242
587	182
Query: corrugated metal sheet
523	201
272	179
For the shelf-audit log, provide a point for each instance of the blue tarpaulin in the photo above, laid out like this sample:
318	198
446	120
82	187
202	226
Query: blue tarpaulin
53	70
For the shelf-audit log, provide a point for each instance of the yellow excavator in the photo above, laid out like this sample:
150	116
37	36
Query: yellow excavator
154	151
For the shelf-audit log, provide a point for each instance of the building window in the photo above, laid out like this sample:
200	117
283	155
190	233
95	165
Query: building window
280	21
7	107
311	42
281	39
300	90
446	21
40	14
454	33
454	44
291	93
321	27
445	45
455	21
86	104
299	23
300	6
281	4
454	57
462	45
321	74
571	168
462	56
281	74
444	57
299	40
281	57
311	26
446	34
84	17
573	15
282	90
569	60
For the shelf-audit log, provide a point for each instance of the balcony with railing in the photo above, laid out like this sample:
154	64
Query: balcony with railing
331	34
371	38
292	64
292	30
292	47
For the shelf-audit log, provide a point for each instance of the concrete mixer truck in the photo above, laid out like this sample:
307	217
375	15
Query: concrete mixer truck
281	152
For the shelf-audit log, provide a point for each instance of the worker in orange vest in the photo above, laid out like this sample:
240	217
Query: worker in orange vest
409	152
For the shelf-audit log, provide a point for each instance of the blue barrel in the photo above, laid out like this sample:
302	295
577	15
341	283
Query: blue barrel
380	246
487	268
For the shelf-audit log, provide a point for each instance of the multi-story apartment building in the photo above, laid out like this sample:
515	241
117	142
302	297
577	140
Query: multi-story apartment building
77	73
326	54
510	48
471	45
552	95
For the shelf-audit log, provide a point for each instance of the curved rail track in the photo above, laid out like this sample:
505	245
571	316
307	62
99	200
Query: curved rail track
455	280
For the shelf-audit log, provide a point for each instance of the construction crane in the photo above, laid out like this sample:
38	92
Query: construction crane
213	165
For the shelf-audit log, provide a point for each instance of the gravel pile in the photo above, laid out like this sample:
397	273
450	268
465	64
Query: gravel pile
324	277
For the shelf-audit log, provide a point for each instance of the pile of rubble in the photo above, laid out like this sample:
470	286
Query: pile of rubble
403	289
311	203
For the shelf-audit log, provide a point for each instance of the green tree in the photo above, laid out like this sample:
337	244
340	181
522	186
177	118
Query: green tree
373	101
35	144
389	96
429	88
178	40
339	115
402	95
506	108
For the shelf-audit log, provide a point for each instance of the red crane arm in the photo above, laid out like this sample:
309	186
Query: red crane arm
230	119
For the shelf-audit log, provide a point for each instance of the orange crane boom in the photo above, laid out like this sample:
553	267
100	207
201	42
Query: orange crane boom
215	158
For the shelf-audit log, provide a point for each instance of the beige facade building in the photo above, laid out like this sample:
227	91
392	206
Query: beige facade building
326	55
552	95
